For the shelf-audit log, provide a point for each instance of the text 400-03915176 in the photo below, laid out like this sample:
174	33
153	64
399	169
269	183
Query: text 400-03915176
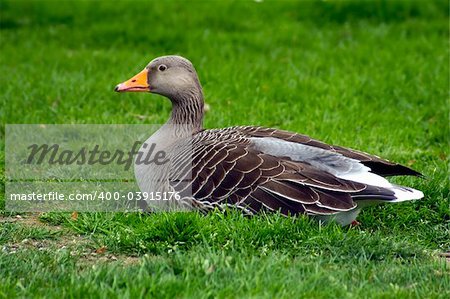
157	195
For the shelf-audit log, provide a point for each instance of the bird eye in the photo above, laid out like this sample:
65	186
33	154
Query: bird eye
162	67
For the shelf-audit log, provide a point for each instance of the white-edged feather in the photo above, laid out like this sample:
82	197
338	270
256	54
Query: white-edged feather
334	163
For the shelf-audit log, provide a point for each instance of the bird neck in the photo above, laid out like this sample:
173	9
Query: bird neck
187	111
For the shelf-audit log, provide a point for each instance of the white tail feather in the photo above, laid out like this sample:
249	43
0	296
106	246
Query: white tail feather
367	178
400	192
405	193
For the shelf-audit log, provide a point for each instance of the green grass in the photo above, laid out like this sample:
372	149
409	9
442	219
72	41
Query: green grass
370	75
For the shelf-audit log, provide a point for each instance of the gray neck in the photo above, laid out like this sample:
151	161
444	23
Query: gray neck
187	110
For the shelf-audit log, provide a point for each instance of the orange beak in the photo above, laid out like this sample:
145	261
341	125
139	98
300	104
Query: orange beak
137	83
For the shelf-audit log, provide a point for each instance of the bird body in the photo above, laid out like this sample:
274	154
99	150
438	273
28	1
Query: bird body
253	168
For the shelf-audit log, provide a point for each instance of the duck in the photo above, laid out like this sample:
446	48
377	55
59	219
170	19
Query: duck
253	169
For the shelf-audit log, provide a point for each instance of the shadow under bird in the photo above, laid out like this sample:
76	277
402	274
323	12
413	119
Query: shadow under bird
255	168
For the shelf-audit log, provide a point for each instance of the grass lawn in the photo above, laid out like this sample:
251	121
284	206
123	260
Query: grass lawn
369	75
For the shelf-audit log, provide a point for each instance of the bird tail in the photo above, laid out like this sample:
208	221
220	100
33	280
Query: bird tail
403	193
393	193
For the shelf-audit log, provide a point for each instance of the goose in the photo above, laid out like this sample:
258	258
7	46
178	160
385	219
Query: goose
251	168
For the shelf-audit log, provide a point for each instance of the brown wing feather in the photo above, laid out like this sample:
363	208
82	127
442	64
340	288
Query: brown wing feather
376	164
229	172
